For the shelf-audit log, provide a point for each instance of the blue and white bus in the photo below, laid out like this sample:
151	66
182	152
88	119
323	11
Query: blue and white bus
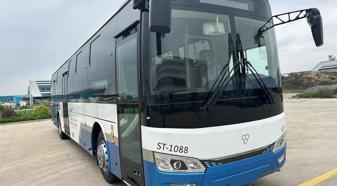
179	93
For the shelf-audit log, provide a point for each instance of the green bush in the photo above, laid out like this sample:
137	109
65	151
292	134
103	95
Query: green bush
39	112
8	113
2	108
42	111
320	94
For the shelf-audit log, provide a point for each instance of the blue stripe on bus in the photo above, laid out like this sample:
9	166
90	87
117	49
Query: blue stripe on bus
236	173
114	159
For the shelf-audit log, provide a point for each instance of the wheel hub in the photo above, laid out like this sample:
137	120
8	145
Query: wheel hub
102	157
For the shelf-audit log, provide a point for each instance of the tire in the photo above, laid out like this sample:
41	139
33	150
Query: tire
103	161
62	135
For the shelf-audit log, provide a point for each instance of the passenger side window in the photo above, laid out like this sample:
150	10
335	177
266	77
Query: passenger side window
259	59
127	69
101	74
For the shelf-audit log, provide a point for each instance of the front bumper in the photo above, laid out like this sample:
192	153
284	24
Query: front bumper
231	174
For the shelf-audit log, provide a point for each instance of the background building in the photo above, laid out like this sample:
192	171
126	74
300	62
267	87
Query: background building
327	66
13	101
39	92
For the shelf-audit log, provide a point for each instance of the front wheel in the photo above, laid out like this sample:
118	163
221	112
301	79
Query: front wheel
103	160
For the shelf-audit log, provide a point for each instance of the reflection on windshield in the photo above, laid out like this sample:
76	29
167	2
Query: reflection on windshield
192	55
264	59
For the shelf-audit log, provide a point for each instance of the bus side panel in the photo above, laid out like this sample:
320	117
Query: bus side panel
91	72
83	117
60	112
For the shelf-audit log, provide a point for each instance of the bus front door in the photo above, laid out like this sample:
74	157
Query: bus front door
65	79
128	108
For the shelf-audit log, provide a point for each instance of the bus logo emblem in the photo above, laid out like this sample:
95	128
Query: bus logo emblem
245	138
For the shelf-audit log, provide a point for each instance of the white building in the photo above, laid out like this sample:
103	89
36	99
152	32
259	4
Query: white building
39	91
327	66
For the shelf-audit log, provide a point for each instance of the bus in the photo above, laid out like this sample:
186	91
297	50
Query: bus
179	92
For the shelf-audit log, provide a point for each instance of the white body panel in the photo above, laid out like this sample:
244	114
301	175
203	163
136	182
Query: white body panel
83	116
216	142
60	111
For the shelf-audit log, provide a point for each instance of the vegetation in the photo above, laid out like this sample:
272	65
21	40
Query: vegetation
8	115
2	108
311	84
26	107
329	91
42	111
316	95
299	82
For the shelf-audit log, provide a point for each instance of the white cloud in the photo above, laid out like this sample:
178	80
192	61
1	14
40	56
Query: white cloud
296	46
38	36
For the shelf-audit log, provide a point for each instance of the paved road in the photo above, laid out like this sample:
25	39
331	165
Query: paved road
32	154
312	141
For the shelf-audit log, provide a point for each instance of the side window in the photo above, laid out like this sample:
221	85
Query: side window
259	59
72	67
82	59
77	61
101	77
263	58
93	47
127	69
72	73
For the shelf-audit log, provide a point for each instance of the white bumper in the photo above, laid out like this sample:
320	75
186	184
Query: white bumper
214	142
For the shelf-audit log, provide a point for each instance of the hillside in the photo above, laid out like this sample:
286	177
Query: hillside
298	82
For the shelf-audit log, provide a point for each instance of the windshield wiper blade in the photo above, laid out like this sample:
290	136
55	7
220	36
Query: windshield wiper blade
211	100
250	67
222	81
260	82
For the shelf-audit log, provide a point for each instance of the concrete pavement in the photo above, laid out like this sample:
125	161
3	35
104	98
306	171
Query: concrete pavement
312	141
32	154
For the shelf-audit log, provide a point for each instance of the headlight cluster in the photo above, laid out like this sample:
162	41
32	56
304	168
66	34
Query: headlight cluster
170	163
281	142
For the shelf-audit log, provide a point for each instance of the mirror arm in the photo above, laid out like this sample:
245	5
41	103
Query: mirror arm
142	5
282	19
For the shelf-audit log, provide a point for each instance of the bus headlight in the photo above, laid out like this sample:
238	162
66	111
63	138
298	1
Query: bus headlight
170	163
280	143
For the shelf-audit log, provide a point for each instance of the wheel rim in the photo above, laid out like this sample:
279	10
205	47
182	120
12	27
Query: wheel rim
102	157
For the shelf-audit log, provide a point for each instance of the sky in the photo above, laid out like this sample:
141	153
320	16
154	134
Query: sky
37	36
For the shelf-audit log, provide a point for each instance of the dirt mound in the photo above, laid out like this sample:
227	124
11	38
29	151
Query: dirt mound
305	80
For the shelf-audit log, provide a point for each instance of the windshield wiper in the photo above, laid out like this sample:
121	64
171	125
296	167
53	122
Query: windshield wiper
222	81
250	67
240	70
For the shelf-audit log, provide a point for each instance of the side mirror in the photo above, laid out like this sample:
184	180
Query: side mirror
315	21
160	16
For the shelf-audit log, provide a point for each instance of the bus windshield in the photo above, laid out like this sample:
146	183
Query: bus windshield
191	57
